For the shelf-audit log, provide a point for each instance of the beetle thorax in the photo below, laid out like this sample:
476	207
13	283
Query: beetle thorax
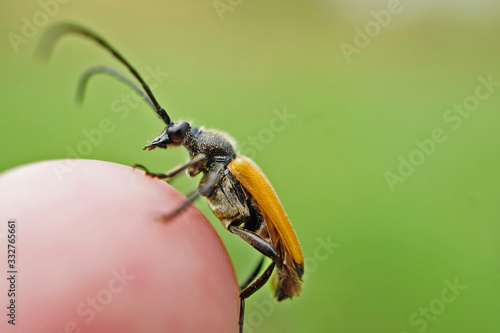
214	144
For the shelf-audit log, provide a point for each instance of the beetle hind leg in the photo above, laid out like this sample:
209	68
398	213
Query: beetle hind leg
252	284
264	247
242	313
259	282
252	288
253	275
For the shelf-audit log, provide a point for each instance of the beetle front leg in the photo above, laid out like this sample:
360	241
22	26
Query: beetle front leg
176	171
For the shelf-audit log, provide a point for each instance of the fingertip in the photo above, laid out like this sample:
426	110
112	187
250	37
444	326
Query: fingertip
91	231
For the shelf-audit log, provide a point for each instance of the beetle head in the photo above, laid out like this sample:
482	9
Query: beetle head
172	135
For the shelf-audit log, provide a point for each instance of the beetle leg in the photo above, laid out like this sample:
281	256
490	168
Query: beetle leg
245	284
259	243
263	246
248	291
253	275
259	282
242	314
176	171
190	198
204	189
256	285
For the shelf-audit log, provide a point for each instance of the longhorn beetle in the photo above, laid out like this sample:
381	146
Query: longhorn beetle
238	193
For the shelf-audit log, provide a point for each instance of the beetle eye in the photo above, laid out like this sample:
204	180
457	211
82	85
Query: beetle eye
178	131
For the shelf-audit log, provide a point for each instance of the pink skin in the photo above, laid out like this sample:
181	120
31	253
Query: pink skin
78	231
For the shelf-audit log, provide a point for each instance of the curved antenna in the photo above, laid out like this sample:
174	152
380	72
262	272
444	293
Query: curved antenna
50	38
103	69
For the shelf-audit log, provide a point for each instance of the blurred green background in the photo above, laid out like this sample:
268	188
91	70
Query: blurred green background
380	255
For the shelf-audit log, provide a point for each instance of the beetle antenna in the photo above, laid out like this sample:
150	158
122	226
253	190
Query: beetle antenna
53	35
103	69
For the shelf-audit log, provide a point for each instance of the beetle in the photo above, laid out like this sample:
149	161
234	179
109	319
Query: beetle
238	192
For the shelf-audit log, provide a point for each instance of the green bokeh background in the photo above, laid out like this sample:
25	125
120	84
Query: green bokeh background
392	250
